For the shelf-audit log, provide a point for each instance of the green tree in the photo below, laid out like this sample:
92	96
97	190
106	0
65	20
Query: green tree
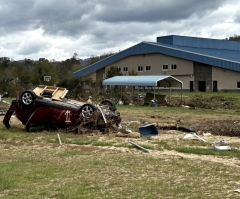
44	68
5	62
93	59
28	64
132	73
113	71
66	68
234	38
3	80
14	78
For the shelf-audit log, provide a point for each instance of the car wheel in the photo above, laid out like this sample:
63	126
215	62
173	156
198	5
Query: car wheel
27	98
87	110
110	104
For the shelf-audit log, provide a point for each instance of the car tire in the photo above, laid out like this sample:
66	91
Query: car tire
87	110
110	104
28	98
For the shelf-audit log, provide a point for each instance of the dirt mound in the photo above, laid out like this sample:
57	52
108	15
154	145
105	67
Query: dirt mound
216	127
213	102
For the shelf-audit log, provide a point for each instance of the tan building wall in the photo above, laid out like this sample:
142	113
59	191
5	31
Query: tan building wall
184	71
226	79
185	80
156	62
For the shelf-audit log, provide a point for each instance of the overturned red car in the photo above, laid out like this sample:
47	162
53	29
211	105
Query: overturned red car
47	106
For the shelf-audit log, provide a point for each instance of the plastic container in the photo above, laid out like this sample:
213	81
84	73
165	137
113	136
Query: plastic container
148	130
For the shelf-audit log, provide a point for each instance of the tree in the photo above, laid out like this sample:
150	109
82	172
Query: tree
234	38
113	71
5	61
44	68
28	63
133	73
3	82
95	59
66	68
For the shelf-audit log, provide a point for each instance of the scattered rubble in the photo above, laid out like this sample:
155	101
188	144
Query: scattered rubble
224	127
3	107
193	135
128	135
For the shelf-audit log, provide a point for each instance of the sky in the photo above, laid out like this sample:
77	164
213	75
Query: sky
56	29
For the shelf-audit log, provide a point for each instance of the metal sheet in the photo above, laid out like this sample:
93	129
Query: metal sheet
159	81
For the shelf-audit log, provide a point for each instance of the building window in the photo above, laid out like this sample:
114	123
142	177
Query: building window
104	76
125	69
119	69
140	68
165	67
173	66
148	68
238	84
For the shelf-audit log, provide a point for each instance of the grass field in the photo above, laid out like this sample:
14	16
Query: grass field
35	165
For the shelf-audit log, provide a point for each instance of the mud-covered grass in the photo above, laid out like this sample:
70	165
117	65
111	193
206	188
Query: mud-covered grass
53	171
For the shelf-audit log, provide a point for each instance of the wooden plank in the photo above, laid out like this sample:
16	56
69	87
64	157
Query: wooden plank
59	94
38	90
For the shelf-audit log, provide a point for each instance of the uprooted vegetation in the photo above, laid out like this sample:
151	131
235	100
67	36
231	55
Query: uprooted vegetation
205	101
215	127
212	102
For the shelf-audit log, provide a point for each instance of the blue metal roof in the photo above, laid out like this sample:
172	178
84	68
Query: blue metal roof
160	81
197	42
214	52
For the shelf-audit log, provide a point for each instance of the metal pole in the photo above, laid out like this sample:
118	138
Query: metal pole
138	146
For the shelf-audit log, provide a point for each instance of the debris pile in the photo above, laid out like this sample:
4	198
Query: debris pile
216	127
213	102
3	107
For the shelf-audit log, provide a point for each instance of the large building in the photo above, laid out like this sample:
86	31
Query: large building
201	64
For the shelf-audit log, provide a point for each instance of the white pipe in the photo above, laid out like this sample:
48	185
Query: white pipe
104	118
59	139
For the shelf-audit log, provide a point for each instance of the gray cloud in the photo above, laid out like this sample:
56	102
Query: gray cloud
100	25
154	10
72	17
237	17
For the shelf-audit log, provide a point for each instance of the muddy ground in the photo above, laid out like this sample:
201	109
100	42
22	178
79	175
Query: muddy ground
171	128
